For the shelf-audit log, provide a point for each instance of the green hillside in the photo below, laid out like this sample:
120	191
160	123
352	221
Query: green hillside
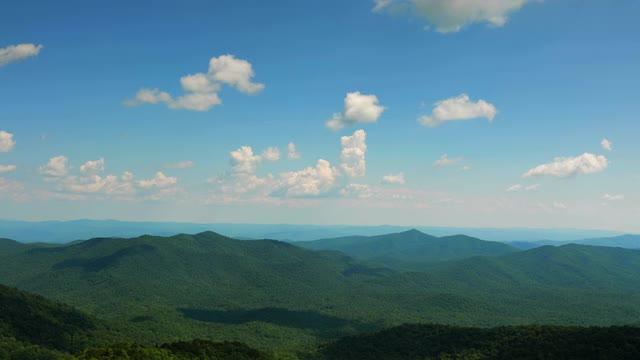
410	250
276	296
568	266
419	342
32	325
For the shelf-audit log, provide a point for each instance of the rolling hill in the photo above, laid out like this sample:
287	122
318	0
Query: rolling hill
410	250
274	295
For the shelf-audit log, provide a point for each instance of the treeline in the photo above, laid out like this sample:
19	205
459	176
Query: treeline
510	342
10	349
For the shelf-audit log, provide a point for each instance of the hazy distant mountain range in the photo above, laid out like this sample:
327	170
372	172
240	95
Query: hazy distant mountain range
66	231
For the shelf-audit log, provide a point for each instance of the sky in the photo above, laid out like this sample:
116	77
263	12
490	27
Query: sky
500	113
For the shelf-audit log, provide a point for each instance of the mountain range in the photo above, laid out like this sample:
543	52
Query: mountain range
276	295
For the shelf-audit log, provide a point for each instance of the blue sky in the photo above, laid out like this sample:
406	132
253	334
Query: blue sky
504	88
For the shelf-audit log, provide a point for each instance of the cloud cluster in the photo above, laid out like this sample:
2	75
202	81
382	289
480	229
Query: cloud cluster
89	181
606	144
448	16
358	108
458	108
570	166
15	53
241	182
201	90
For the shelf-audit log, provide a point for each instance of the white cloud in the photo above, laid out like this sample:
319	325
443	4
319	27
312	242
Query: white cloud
234	72
312	181
514	188
7	168
466	168
9	186
160	180
445	160
570	166
293	153
518	187
244	160
361	191
559	205
199	83
195	102
353	154
201	90
613	197
606	144
358	108
532	187
179	165
458	108
92	167
393	179
6	141
15	53
271	154
452	15
56	167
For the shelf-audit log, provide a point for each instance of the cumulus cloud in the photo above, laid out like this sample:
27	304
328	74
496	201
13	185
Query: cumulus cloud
234	72
393	179
7	168
179	165
358	108
606	144
56	167
91	167
312	181
243	160
201	90
6	141
15	53
610	197
271	154
445	160
448	16
353	154
160	180
458	108
570	166
292	152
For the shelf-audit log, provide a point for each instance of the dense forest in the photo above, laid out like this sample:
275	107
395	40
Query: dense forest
33	328
284	300
510	342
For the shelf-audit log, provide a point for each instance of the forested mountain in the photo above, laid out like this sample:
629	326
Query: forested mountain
276	296
419	342
568	266
410	250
